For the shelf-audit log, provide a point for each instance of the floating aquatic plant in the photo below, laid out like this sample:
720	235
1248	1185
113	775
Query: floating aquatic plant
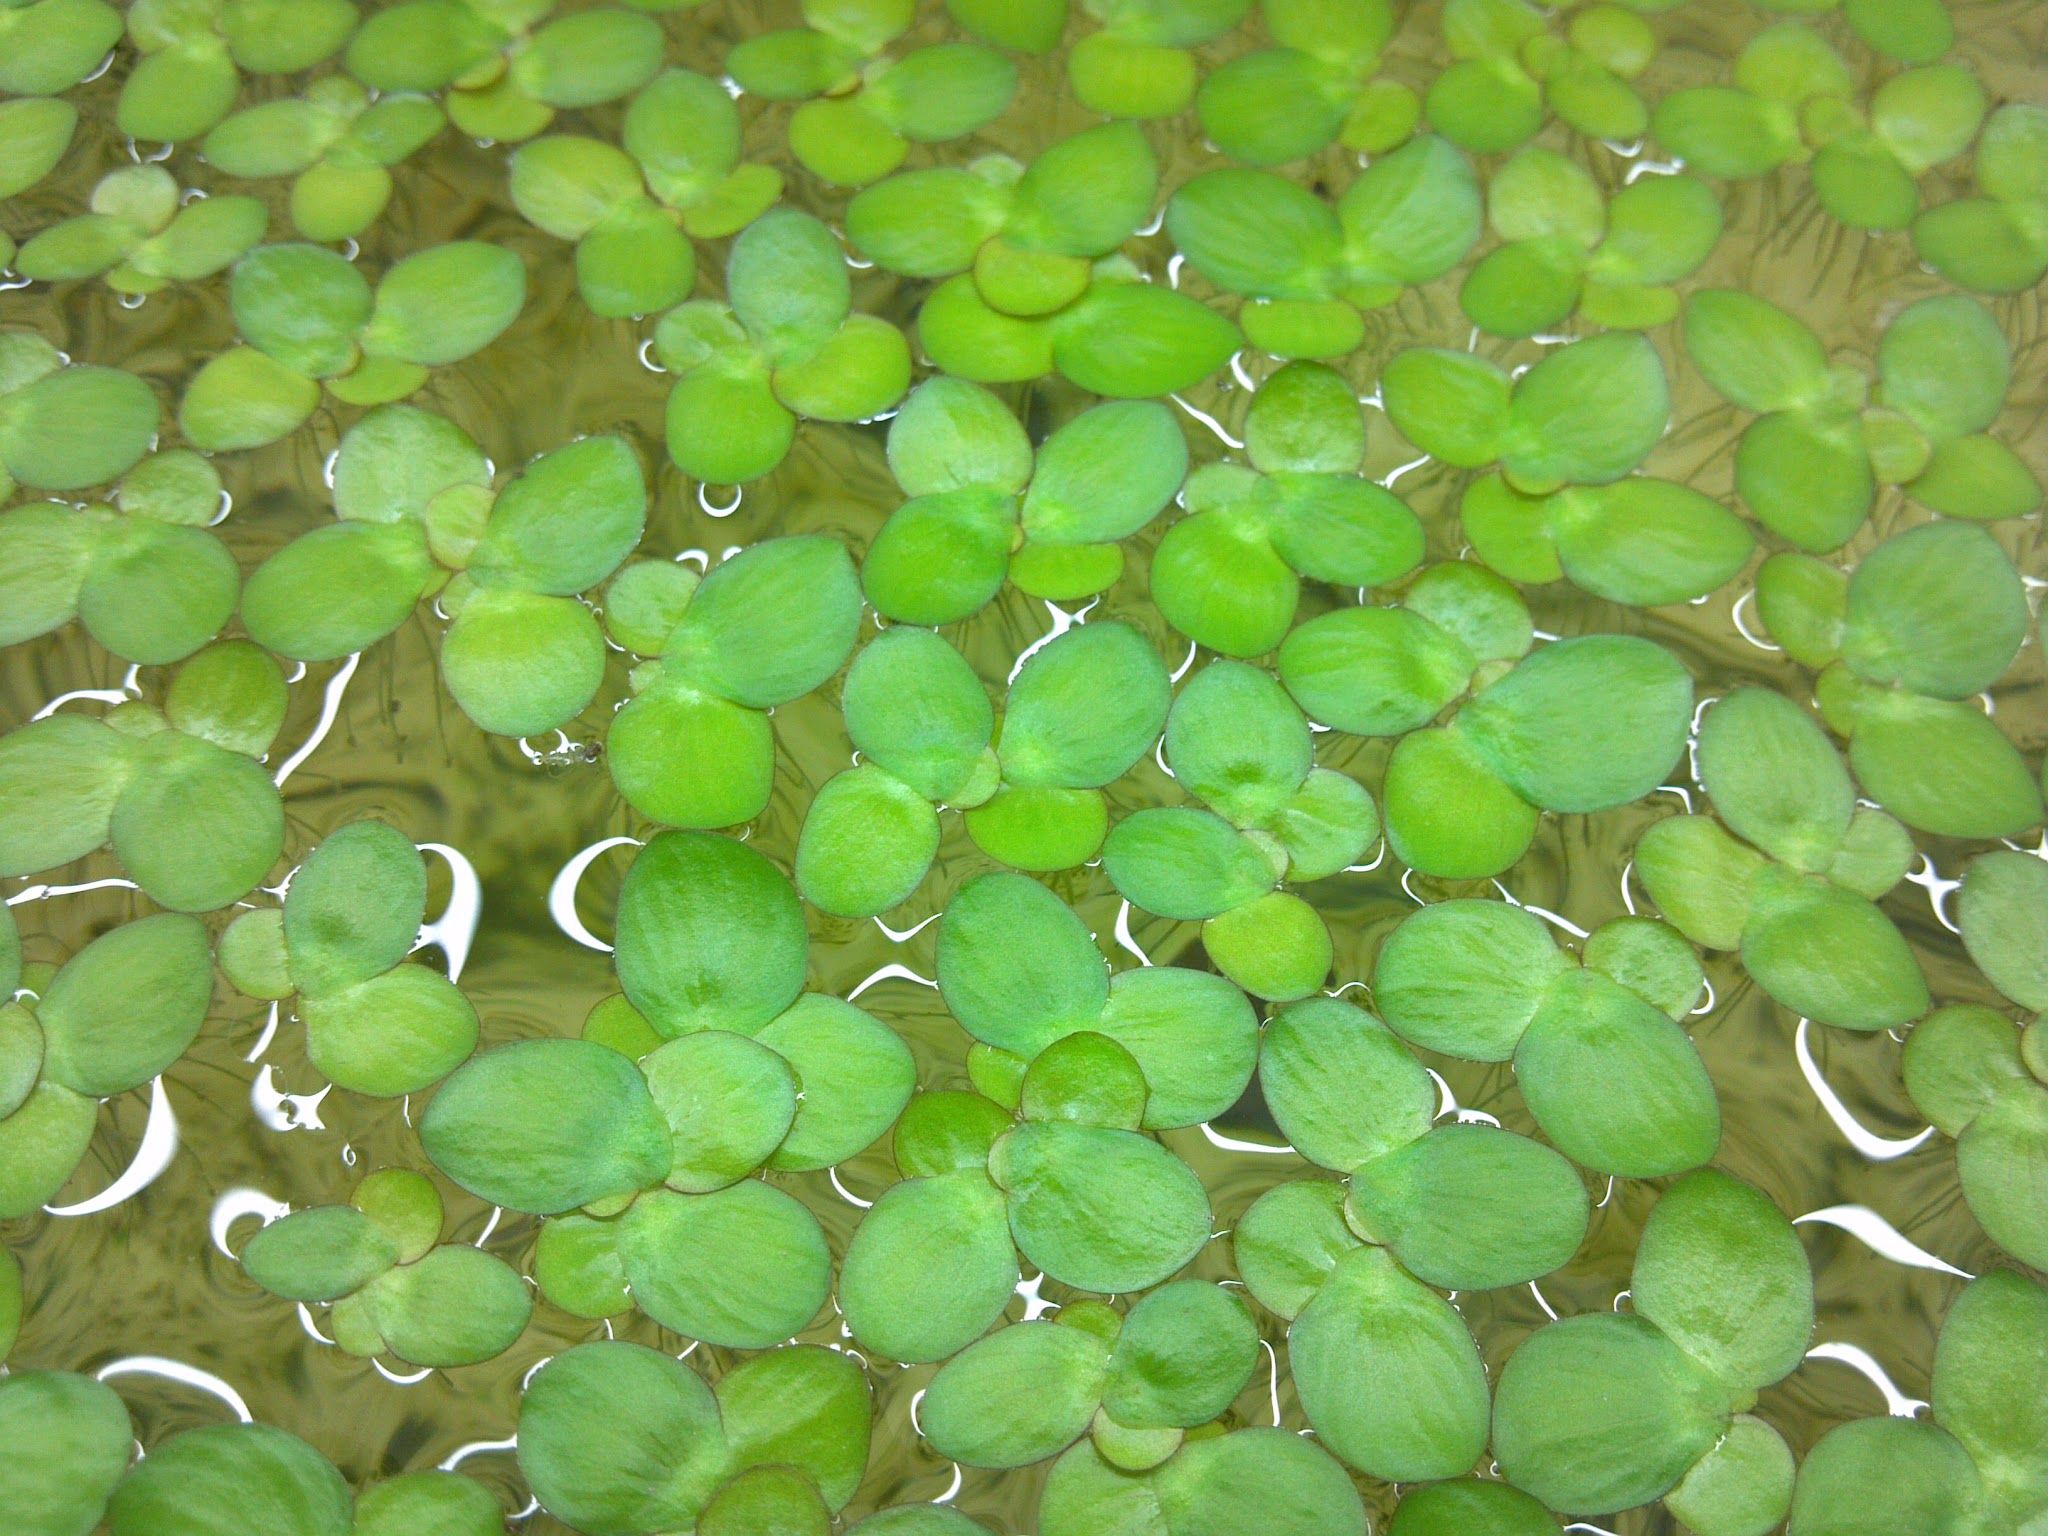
193	53
337	144
376	1022
786	345
1809	466
859	110
177	791
1994	242
1315	88
1228	575
1512	70
68	426
141	234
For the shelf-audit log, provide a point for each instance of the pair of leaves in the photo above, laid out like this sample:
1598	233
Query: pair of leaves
336	144
984	505
860	111
1235	740
693	747
1930	617
1247	1479
503	77
786	345
1177	1359
1797	895
1228	575
115	1015
1410	217
178	792
144	575
1314	89
1609	1410
1139	62
1994	242
308	317
192	58
1977	1463
1512	71
394	1286
376	1022
1597	1048
619	1440
1587	414
1808	467
1565	249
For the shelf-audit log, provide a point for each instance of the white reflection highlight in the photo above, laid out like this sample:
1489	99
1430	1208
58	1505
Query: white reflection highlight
184	1375
1861	1362
1879	1149
282	1111
159	1145
562	893
233	1205
1881	1238
455	929
330	707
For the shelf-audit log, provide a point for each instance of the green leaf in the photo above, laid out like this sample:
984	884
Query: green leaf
1937	609
1218	580
1374	671
35	130
1988	1367
1411	215
855	1075
1775	778
1086	194
1084	708
576	1265
1452	405
690	759
1758	356
435	1503
1806	477
395	1033
456	1306
1290	1241
1255	233
1616	1085
1268	1479
585	59
547	1125
197	825
1945	364
1388	1374
1134	340
914	707
825	1439
724	424
2003	912
1275	946
724	643
1340	1086
909	1310
1976	477
1235	740
518	663
1184	864
567	521
1472	1207
262	1474
1647	542
337	589
1942	766
1603	1412
1194	1036
744	1268
76	427
2002	1159
973	1412
1584	724
1105	474
1719	1270
619	1439
1929	1481
1587	414
1016	966
1097	1209
1448	813
71	1440
728	1101
1829	955
867	841
1183	1354
354	908
60	779
710	935
439	306
1470	1507
1742	1484
1467	977
40	1146
124	1008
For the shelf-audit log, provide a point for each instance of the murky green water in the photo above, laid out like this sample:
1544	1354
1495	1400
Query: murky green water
146	1277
